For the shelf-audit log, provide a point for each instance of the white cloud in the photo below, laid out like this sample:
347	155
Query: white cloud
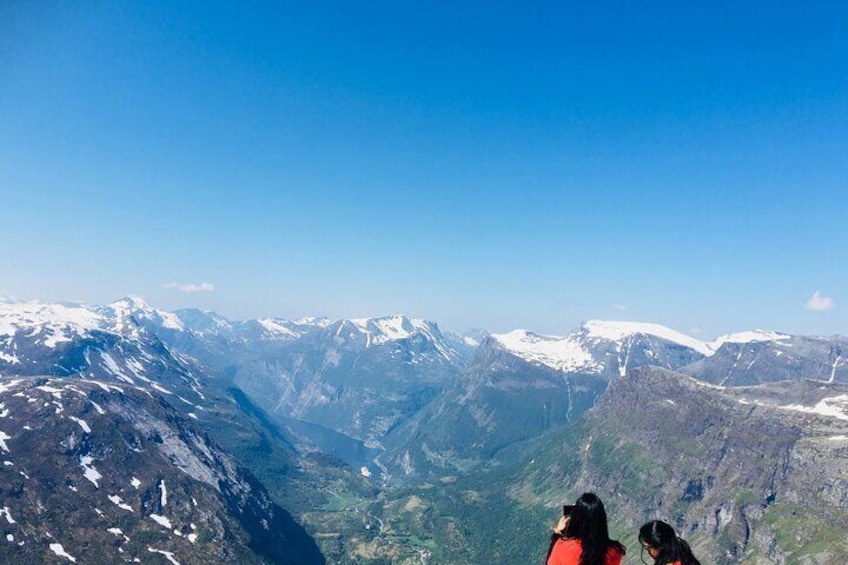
820	303
191	288
619	307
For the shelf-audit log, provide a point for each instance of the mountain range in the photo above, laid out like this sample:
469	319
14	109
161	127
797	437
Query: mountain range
384	440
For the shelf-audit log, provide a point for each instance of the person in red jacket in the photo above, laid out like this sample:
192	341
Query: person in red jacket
582	537
662	544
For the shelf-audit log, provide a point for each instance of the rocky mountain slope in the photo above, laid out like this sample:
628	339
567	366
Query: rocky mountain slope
762	357
430	454
749	474
100	473
521	385
118	345
500	400
358	378
101	343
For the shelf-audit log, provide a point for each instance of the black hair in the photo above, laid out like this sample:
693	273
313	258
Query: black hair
588	524
662	537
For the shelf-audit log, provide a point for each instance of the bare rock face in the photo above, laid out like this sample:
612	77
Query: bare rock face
95	472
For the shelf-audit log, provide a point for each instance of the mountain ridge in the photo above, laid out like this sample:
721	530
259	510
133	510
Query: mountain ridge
368	410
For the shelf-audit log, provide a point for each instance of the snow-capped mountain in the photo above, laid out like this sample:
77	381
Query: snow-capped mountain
417	340
521	384
47	325
606	348
358	377
759	357
365	377
380	368
497	402
97	343
279	329
391	395
620	331
751	336
129	313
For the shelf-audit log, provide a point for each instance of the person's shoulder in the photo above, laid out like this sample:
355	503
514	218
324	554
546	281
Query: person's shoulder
571	542
565	551
571	545
616	548
614	556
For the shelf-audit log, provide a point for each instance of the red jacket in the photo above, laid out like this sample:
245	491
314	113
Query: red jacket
568	551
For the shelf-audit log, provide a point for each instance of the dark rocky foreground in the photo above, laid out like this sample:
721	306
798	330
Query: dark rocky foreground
101	473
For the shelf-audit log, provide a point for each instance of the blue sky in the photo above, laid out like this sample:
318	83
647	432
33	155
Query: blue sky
481	164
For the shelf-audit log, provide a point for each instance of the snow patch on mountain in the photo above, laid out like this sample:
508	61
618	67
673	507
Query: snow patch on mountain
5	512
113	368
161	520
833	407
168	555
53	324
118	501
278	328
9	358
60	551
391	328
82	423
7	385
89	472
562	353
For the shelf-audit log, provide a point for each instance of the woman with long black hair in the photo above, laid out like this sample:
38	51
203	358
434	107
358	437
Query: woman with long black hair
662	544
582	537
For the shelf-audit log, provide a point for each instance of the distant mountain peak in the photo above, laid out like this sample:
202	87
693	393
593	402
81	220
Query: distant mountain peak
562	353
595	344
319	321
132	301
125	309
278	328
58	317
749	337
391	328
617	330
396	328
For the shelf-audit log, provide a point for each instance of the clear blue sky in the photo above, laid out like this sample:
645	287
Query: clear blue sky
488	164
